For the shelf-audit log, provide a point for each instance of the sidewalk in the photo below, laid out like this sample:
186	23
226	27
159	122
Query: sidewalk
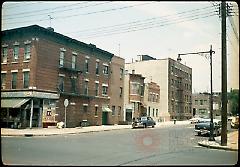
77	130
232	142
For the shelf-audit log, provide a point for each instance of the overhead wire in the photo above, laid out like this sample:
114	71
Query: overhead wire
68	16
17	17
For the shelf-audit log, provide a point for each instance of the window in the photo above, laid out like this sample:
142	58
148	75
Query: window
121	91
27	52
61	59
201	102
96	89
86	65
74	61
149	111
3	80
196	102
85	108
156	112
113	110
121	73
105	69
49	113
96	110
86	87
153	112
15	53
73	84
135	88
104	90
97	68
61	83
4	54
26	79
142	90
119	110
14	80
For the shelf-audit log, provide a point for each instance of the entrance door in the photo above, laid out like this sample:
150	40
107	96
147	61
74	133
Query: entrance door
129	116
104	118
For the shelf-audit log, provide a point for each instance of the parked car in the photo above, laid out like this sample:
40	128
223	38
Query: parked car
203	127
235	122
143	122
194	120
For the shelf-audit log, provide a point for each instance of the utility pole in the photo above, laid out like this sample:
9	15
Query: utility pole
211	137
224	76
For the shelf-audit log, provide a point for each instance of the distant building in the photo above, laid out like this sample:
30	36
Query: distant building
41	68
175	81
133	96
152	100
201	105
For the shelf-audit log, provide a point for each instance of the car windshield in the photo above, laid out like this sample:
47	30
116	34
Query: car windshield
143	118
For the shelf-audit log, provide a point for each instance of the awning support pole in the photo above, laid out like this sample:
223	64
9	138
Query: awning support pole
31	114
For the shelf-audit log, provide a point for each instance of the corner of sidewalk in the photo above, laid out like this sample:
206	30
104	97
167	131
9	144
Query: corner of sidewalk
232	142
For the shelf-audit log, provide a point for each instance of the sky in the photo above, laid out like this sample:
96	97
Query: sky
160	29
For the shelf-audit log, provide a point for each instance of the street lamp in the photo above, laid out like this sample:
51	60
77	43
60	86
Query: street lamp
211	137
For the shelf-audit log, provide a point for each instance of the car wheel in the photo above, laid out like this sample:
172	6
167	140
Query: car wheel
153	126
145	125
199	133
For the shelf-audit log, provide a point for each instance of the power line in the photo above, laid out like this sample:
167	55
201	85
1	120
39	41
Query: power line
146	27
15	17
101	11
144	20
19	4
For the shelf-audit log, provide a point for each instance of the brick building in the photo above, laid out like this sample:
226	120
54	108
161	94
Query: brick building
175	81
133	96
152	100
41	68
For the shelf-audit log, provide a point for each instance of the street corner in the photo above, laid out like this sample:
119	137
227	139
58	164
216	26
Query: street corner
147	141
216	145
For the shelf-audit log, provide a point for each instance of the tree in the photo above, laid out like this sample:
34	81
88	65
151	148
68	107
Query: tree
233	98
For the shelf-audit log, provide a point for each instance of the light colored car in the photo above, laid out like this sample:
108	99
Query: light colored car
235	122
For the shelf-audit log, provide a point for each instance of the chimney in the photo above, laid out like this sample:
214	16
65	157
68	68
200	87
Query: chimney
50	29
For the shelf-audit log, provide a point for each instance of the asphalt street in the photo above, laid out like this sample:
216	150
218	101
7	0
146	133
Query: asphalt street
174	145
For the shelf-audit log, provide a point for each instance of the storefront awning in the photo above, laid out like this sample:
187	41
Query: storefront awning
13	102
106	109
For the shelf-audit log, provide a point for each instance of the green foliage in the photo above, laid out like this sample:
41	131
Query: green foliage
233	98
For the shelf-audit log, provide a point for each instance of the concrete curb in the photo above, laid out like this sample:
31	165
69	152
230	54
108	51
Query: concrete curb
66	133
217	147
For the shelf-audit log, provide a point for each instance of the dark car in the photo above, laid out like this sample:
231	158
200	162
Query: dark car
143	122
203	128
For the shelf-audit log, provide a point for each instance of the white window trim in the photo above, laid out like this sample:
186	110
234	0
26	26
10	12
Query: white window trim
3	72
16	43
105	85
85	104
74	53
24	70
87	57
96	105
105	64
27	42
97	60
96	81
61	75
86	80
63	49
14	70
4	45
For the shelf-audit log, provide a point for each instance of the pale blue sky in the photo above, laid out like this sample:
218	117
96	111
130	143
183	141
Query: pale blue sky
177	29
